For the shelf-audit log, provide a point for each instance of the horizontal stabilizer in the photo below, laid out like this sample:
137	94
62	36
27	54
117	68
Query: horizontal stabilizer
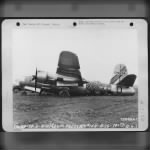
128	80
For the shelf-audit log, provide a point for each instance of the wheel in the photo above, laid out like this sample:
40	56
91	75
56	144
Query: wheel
15	90
64	93
43	92
24	93
97	93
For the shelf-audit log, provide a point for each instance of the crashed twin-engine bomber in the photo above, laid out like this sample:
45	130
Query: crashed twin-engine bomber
68	80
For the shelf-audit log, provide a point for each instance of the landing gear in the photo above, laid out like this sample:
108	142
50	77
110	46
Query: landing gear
16	90
43	92
64	93
119	90
24	93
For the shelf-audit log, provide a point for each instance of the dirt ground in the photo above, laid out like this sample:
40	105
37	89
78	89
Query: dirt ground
75	112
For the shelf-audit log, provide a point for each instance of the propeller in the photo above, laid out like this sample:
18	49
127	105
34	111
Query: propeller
120	70
34	77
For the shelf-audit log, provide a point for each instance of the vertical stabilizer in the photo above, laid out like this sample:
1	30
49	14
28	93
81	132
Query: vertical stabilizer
68	65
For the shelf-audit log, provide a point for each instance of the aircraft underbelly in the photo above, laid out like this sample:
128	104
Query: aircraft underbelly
122	90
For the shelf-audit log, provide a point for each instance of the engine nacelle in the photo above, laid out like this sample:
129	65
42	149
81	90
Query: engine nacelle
42	76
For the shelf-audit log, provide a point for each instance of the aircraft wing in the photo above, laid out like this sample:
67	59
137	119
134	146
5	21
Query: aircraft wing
29	88
128	80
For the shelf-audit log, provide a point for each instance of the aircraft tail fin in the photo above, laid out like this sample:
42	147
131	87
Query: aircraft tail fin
121	76
128	80
68	65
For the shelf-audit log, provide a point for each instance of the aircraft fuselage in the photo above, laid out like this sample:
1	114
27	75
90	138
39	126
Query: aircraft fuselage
109	89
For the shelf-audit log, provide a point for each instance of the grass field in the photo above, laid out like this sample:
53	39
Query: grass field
74	112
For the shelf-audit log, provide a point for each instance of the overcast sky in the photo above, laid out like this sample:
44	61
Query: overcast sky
98	50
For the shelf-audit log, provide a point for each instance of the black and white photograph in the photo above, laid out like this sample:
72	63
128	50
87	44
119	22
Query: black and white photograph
79	76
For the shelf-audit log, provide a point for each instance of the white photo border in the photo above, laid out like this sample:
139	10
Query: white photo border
7	96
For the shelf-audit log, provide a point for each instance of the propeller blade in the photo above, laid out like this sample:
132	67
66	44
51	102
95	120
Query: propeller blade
35	79
36	72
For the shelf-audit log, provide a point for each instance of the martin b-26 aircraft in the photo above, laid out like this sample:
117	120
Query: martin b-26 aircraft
68	80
